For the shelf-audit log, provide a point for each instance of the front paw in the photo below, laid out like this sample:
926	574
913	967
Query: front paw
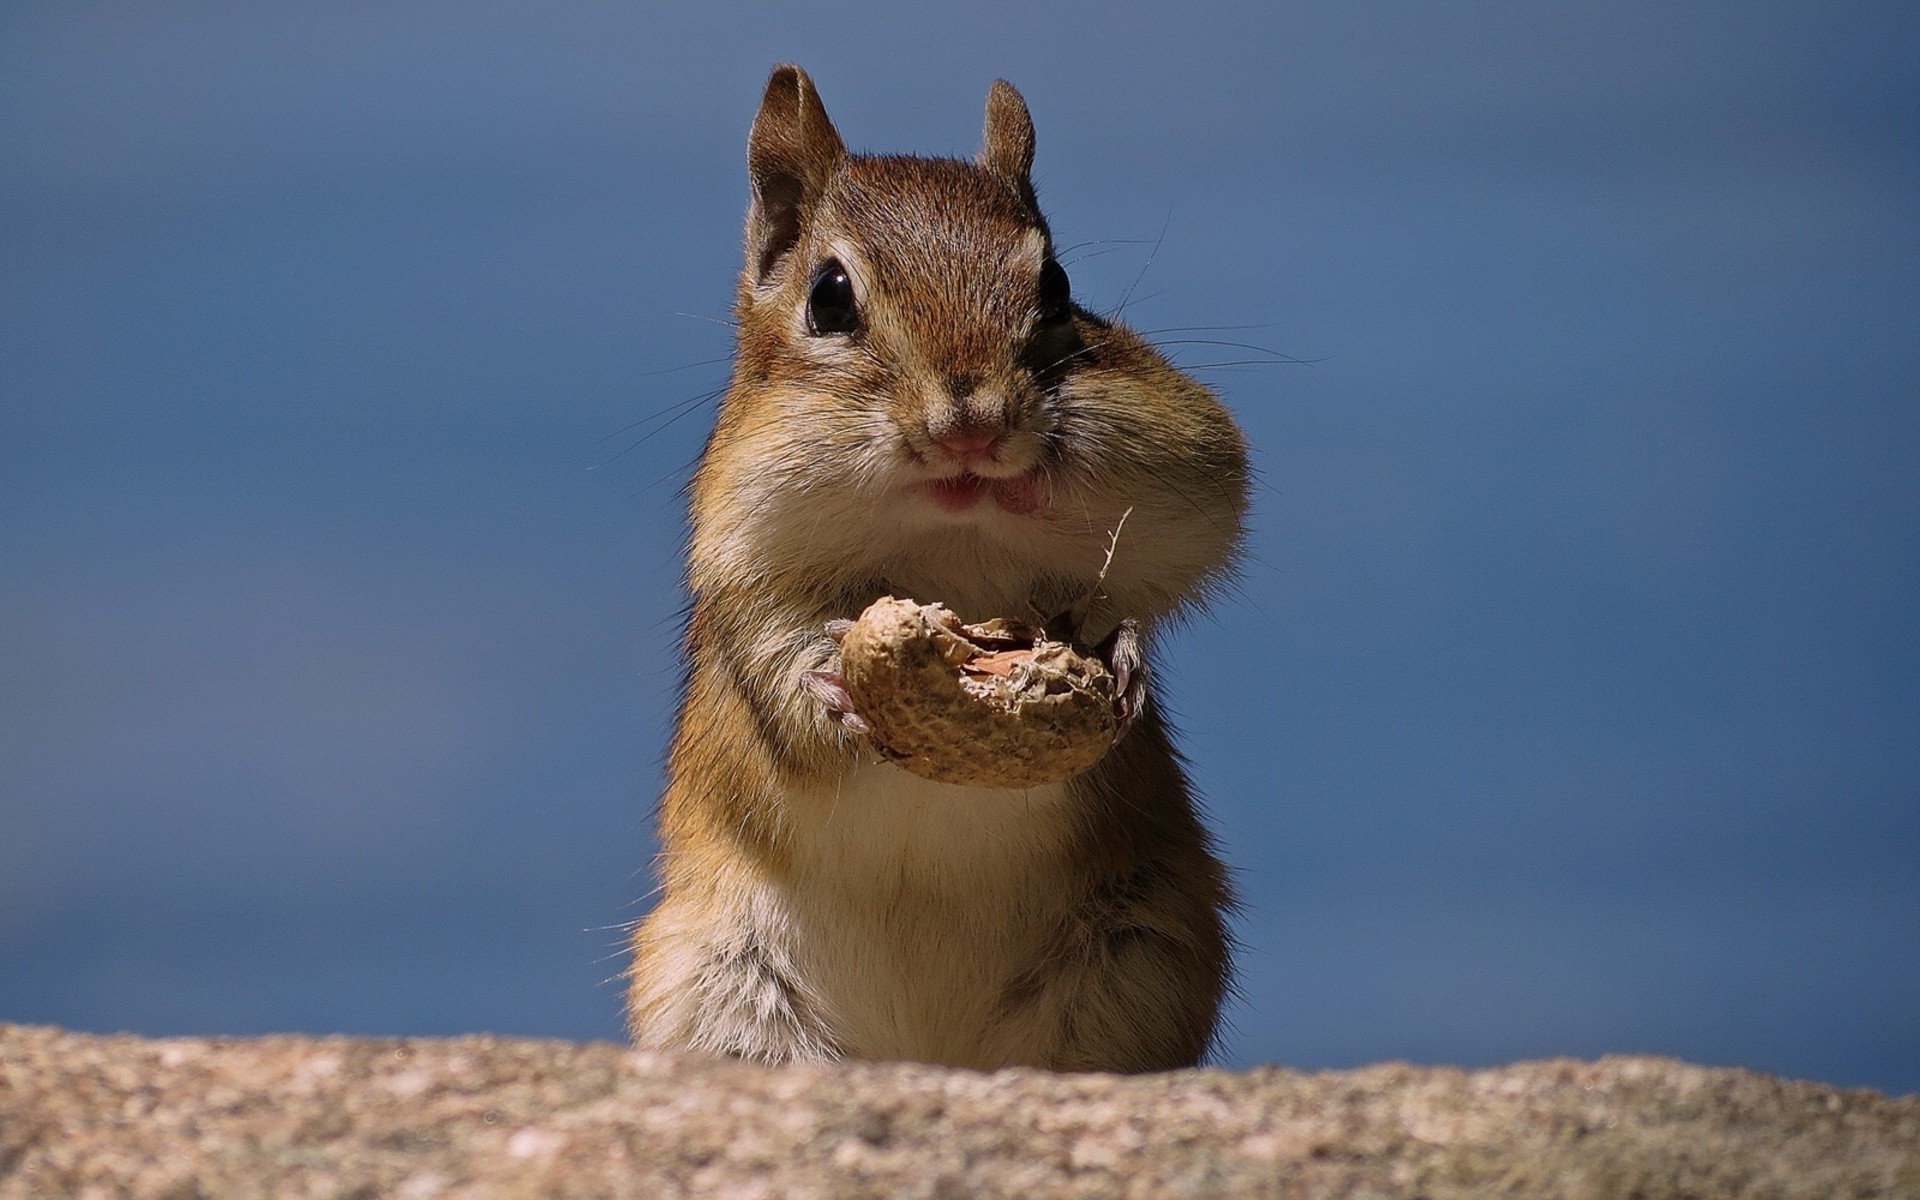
828	688
1126	657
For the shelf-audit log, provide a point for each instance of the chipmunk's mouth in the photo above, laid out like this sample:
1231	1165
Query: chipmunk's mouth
1018	494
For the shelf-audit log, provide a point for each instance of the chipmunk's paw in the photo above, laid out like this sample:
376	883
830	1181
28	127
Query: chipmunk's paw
1127	659
828	688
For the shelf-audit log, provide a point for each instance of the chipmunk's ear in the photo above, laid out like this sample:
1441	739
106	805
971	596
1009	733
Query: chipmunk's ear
1006	146
791	154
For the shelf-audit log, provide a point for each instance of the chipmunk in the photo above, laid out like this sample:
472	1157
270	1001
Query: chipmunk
919	408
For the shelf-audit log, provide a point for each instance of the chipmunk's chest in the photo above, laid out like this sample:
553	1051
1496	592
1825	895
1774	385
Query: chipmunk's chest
879	821
917	907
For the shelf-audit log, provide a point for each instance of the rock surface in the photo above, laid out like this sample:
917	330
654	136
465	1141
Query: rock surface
192	1118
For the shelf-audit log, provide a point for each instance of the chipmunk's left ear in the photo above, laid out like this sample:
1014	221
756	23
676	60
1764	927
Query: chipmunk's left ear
1006	146
792	153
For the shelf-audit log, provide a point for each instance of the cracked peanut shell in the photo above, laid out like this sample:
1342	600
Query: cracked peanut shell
997	704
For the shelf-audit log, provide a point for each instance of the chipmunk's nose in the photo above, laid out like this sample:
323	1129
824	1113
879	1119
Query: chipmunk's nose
969	441
969	424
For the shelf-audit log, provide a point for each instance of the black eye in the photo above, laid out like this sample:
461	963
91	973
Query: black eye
1054	346
1056	294
830	303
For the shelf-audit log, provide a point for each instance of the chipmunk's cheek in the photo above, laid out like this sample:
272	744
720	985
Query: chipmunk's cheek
1020	495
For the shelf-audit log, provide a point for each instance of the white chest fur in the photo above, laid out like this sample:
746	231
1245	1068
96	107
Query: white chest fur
879	819
913	906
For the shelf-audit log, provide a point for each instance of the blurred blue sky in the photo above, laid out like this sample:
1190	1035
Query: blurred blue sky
1570	701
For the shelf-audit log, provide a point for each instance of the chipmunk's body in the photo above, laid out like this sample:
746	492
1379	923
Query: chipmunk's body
918	409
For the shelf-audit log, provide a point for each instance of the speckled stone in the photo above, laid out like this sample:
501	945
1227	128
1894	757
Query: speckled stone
84	1117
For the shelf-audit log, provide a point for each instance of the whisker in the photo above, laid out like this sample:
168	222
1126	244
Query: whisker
705	362
1245	362
1100	242
1152	295
683	472
1151	255
1205	328
682	479
1080	258
655	416
727	322
1275	355
667	417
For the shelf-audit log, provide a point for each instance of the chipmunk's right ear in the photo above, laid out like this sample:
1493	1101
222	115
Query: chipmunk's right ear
1006	145
791	154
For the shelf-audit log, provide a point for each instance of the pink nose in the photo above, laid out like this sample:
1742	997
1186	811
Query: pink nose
964	442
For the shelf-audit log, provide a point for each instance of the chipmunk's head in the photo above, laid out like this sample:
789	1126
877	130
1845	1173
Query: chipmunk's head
918	296
914	379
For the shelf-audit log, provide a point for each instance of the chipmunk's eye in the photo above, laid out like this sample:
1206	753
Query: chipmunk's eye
830	303
1056	294
1053	346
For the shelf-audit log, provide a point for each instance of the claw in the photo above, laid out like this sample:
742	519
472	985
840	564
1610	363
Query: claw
828	689
1127	659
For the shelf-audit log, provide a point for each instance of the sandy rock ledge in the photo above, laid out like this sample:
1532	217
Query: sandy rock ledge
194	1118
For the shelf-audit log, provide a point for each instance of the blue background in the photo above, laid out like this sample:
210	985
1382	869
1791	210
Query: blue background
351	356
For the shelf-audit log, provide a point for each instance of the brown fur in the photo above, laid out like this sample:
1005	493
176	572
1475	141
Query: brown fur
816	901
